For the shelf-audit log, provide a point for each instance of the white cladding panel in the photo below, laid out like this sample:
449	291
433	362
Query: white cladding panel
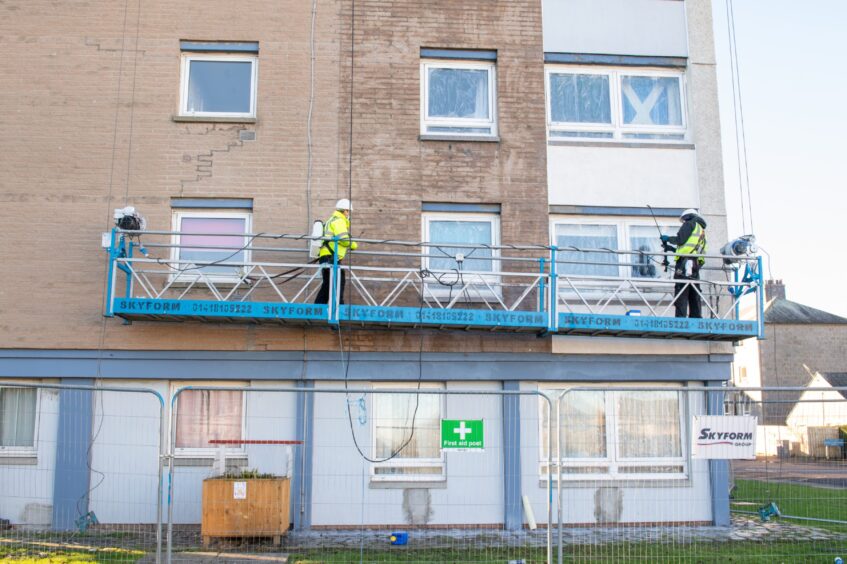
124	458
622	176
26	490
269	415
473	492
635	501
615	27
125	453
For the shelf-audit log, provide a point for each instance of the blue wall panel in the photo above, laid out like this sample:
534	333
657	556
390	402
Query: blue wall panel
512	494
718	469
71	480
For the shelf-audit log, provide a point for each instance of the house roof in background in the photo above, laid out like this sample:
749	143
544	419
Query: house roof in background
786	311
836	380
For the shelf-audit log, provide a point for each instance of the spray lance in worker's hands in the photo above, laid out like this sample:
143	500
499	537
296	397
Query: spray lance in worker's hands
666	246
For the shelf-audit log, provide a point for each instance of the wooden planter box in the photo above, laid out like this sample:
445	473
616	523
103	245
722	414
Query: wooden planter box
245	508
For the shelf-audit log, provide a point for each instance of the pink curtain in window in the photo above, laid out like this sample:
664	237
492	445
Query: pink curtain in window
231	232
206	415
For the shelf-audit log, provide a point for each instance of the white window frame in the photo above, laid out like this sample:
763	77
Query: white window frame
26	451
440	462
190	276
612	461
188	58
211	452
492	280
427	121
617	128
623	224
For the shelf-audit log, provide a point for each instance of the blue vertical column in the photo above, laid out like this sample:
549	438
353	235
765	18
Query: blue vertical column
301	486
718	469
72	477
512	504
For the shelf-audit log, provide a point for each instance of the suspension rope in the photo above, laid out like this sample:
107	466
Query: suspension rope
738	115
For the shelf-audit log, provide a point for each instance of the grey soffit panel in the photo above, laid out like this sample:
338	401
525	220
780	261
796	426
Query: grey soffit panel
626	27
212	203
615	60
220	46
289	366
466	208
615	210
459	54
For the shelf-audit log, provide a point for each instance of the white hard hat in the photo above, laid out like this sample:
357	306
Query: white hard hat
343	204
686	213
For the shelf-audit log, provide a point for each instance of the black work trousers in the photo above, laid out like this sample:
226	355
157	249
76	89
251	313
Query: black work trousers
687	302
323	293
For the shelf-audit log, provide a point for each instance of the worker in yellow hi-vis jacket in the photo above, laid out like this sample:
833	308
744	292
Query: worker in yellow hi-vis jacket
689	240
338	242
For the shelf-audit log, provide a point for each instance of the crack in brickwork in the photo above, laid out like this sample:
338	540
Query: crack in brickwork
205	161
89	42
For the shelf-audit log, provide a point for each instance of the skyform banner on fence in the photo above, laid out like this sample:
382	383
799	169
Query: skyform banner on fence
724	437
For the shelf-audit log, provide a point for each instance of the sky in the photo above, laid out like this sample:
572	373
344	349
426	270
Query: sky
792	61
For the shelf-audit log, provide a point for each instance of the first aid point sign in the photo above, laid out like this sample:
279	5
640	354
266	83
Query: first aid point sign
462	434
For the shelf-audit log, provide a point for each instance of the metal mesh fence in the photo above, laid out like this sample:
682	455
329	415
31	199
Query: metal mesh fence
383	473
79	472
633	483
796	487
429	472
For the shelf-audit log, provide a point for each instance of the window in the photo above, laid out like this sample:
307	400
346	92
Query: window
214	238
629	104
413	420
458	98
587	236
461	229
18	420
207	415
619	435
624	234
218	84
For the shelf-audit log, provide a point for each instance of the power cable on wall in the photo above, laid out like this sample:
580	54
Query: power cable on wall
345	363
132	103
309	146
103	324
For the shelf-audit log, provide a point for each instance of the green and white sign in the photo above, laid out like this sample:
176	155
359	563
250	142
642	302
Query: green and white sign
462	434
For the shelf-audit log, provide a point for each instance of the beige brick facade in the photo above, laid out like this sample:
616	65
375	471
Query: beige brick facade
87	103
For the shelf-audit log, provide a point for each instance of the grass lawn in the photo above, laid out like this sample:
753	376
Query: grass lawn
771	553
794	499
49	553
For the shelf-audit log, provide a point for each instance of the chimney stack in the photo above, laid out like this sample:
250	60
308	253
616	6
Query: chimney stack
774	289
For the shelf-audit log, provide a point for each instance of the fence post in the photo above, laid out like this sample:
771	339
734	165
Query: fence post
163	456
558	459
171	453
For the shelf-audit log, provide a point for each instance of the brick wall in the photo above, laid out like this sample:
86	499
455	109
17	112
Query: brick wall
86	111
791	354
